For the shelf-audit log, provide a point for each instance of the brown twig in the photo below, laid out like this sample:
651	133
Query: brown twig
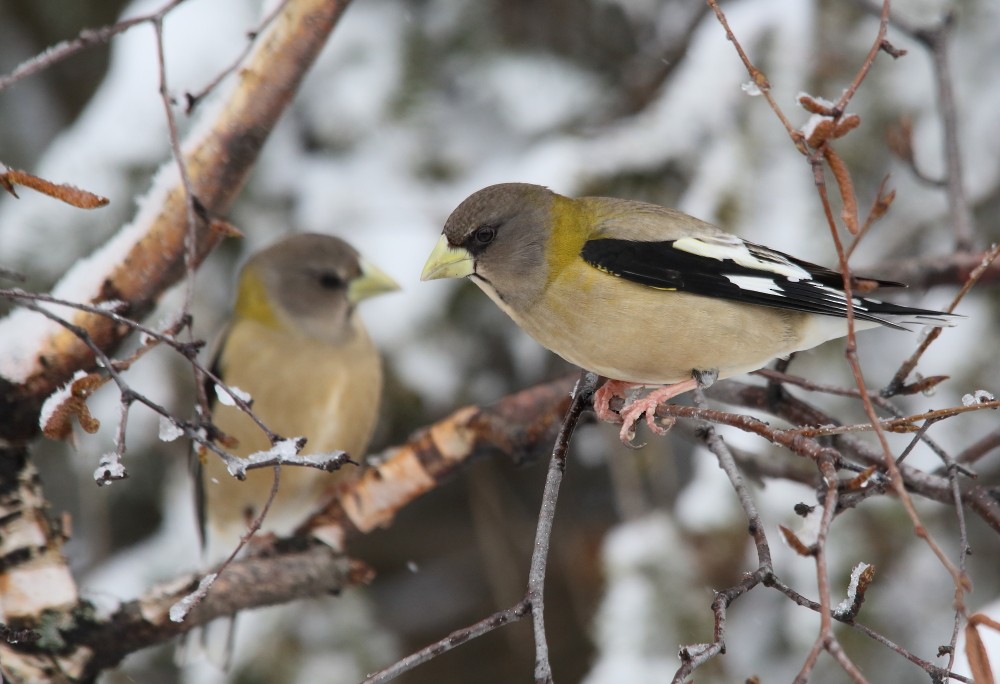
940	674
937	41
460	636
192	99
904	424
694	656
533	601
880	206
981	499
938	269
86	39
190	201
878	45
826	640
582	393
235	465
907	366
847	194
82	199
759	79
247	583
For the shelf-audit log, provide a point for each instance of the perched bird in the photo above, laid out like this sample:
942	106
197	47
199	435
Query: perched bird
645	295
297	347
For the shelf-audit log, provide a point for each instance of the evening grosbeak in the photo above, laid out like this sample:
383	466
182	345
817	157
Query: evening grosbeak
296	345
646	295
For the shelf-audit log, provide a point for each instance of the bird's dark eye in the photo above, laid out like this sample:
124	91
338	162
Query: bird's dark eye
329	280
484	235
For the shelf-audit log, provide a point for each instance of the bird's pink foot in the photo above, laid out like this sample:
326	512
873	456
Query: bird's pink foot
631	414
603	396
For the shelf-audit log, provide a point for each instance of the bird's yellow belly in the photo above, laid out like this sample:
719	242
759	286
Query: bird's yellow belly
655	336
328	395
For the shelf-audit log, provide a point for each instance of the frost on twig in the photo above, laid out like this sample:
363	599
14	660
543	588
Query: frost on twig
861	577
180	610
229	394
978	397
286	452
169	430
109	469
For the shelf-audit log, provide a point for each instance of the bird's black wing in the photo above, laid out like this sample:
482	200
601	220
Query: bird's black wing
726	267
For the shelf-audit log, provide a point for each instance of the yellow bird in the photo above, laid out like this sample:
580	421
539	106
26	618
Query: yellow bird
645	295
297	347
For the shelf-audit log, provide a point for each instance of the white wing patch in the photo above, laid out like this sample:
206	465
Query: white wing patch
755	284
734	249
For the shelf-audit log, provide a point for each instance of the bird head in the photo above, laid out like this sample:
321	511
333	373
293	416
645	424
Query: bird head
309	283
500	237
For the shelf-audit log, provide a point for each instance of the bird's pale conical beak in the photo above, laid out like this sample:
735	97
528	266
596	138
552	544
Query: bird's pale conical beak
447	262
372	281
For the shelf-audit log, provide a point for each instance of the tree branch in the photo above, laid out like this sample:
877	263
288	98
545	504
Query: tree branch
248	583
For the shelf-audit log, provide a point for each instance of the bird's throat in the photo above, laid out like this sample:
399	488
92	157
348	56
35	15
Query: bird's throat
567	237
252	302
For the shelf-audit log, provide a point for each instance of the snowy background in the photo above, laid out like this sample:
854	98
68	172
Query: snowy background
414	105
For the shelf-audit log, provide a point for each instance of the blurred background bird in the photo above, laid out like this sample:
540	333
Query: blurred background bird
297	347
645	295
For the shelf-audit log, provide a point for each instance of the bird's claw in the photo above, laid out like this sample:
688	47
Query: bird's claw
634	412
603	396
627	434
602	407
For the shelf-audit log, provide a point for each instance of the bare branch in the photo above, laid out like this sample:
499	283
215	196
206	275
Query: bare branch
907	366
86	39
582	394
248	583
456	638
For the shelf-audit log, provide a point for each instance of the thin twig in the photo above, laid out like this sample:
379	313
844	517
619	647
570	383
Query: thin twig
582	394
877	46
695	655
936	40
86	39
192	99
235	465
460	636
960	580
759	79
533	600
190	251
826	639
187	349
938	673
979	448
934	487
899	379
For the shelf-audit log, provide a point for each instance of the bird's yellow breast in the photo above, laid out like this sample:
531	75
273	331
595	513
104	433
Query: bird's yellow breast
300	387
